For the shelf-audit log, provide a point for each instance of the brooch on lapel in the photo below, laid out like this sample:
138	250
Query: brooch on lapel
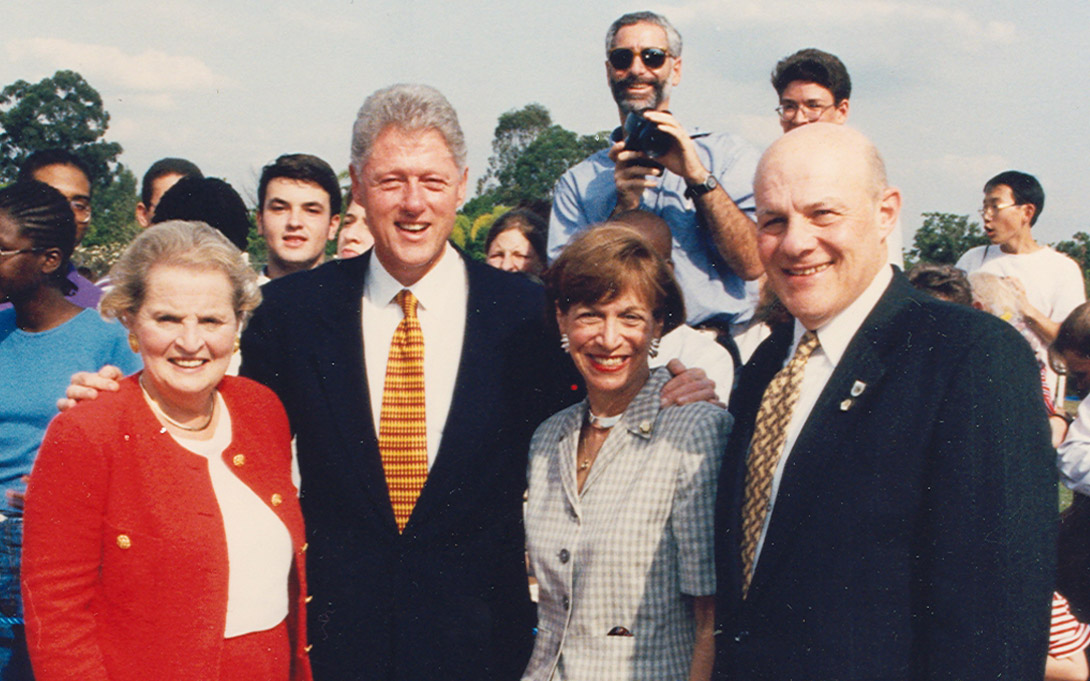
857	389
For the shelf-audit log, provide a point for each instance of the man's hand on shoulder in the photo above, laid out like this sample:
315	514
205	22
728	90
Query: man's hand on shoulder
86	386
688	385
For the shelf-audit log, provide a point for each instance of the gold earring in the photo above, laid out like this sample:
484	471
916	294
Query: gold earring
133	343
238	342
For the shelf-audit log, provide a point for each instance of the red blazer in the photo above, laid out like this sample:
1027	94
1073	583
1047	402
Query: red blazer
124	552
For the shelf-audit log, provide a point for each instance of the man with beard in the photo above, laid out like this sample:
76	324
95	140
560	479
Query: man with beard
701	184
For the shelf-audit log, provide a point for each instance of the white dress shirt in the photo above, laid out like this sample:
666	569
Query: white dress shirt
443	295
833	340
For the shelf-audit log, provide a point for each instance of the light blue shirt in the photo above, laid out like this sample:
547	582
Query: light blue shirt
35	369
586	195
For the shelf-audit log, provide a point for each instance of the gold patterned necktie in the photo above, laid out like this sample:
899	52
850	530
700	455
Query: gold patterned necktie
402	437
770	432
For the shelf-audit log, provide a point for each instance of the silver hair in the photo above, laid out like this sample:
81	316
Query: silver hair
410	107
673	38
178	243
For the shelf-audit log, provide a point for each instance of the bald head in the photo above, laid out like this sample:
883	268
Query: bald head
650	227
851	148
824	210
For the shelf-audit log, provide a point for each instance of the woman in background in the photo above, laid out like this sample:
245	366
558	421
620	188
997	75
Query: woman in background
516	242
44	339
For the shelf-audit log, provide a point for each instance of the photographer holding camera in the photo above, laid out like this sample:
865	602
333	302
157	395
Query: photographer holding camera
700	183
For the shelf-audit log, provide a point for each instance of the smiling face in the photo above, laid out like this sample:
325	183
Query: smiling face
609	344
821	229
411	187
638	87
296	221
186	330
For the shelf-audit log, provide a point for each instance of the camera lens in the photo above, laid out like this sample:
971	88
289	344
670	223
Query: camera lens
642	135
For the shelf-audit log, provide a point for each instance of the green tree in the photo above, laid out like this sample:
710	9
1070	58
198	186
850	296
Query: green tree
113	220
515	130
62	111
530	177
529	154
943	238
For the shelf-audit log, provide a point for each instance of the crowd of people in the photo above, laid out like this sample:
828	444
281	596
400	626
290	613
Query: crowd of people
350	469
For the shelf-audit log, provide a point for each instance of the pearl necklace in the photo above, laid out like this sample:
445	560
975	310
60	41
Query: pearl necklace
161	414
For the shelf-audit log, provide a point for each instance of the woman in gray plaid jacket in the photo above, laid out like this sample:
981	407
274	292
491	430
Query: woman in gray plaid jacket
622	491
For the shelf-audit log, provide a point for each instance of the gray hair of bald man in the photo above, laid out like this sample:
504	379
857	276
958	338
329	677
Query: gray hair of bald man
410	107
673	38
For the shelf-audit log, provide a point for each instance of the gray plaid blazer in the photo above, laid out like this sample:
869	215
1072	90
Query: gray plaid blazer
622	555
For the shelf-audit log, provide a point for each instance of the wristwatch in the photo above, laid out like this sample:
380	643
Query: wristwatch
694	190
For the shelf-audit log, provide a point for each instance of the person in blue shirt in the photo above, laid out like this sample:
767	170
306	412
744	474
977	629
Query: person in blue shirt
701	184
44	339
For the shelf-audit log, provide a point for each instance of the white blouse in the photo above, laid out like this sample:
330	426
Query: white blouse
259	552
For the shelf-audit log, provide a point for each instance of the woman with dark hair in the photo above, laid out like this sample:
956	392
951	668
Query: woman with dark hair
621	490
44	339
516	242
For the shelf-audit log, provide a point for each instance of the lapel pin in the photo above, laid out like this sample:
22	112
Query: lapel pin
846	404
857	388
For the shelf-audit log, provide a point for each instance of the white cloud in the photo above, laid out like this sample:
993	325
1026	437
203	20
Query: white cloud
151	71
959	26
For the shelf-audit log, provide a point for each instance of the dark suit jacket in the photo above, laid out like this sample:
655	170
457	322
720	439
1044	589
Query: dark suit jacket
447	599
913	535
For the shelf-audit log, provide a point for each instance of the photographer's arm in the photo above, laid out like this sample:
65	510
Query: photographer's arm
734	233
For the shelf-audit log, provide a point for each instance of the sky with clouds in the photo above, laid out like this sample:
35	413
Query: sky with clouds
951	91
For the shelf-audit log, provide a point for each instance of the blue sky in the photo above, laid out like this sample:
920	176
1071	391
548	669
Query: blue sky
952	91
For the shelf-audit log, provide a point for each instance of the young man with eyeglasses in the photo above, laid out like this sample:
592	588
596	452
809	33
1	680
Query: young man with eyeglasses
1047	284
67	173
701	184
813	85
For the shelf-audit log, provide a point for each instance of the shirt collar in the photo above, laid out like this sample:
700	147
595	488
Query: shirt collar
381	287
836	333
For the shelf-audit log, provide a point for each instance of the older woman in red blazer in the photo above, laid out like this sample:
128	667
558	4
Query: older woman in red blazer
163	536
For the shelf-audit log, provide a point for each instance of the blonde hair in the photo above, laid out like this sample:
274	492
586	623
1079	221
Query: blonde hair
179	243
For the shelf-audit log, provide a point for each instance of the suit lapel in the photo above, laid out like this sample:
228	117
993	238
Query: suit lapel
836	418
338	362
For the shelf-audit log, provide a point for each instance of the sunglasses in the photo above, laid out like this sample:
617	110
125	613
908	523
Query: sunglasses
652	57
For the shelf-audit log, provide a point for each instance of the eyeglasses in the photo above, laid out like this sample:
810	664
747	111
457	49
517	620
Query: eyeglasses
993	210
812	111
5	254
652	57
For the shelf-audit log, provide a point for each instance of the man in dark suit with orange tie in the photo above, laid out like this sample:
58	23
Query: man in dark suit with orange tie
413	377
887	505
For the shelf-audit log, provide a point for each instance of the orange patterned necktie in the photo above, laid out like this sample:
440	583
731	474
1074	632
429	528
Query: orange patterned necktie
770	433
402	437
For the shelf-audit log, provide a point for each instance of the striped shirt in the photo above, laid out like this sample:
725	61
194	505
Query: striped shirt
1067	635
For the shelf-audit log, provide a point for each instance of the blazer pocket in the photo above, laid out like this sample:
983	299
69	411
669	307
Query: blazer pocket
133	566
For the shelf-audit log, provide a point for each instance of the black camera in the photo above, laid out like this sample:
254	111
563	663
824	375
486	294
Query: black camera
643	135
